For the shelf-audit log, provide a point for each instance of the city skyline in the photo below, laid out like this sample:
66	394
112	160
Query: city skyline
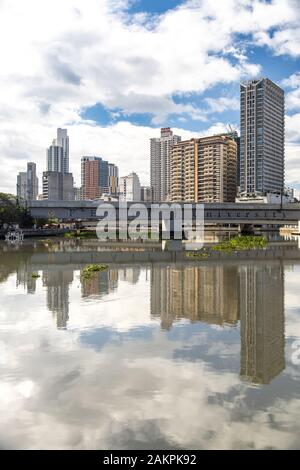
49	80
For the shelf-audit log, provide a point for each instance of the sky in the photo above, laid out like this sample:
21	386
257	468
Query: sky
114	71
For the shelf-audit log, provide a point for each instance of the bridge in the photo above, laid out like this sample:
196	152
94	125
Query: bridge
215	214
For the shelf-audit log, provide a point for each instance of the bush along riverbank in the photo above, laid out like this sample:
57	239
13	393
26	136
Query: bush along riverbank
239	243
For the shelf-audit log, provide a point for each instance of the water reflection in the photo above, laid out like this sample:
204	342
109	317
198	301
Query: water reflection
101	284
261	299
222	295
208	294
58	284
143	347
214	294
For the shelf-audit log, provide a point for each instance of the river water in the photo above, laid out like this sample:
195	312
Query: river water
157	355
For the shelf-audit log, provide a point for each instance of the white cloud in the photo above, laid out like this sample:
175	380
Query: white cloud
293	81
54	65
218	105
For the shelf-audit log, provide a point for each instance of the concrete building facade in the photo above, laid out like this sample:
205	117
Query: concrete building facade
58	153
160	164
28	183
22	185
32	182
58	186
262	166
98	177
146	194
130	188
204	170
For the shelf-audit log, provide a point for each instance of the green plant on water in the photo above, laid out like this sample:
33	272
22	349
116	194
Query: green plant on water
246	242
35	275
69	235
89	271
80	235
197	255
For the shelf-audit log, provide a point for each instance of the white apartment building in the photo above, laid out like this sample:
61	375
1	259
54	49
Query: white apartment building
130	188
160	166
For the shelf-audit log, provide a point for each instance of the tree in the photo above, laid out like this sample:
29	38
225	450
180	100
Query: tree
11	212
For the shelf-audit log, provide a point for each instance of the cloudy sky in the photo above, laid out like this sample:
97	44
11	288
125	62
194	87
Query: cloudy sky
114	71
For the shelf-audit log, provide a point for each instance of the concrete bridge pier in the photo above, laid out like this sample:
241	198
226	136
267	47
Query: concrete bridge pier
246	229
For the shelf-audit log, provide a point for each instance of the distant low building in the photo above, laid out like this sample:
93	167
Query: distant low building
268	198
77	194
58	186
130	188
146	194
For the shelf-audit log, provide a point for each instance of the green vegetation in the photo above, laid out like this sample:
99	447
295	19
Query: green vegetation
80	234
197	254
89	271
35	275
246	242
11	212
238	243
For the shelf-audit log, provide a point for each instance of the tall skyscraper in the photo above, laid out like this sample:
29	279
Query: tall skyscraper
58	153
160	166
28	183
32	182
130	188
262	137
22	185
113	179
204	170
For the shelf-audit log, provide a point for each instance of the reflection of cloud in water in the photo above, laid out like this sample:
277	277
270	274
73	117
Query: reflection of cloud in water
114	379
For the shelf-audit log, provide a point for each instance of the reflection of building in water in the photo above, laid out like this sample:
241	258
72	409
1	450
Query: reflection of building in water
100	284
24	278
262	322
130	274
199	293
58	283
221	295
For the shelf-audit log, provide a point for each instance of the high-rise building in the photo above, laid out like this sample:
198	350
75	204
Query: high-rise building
113	179
98	177
184	171
130	188
58	153
204	170
58	186
160	167
262	137
32	182
28	183
22	185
